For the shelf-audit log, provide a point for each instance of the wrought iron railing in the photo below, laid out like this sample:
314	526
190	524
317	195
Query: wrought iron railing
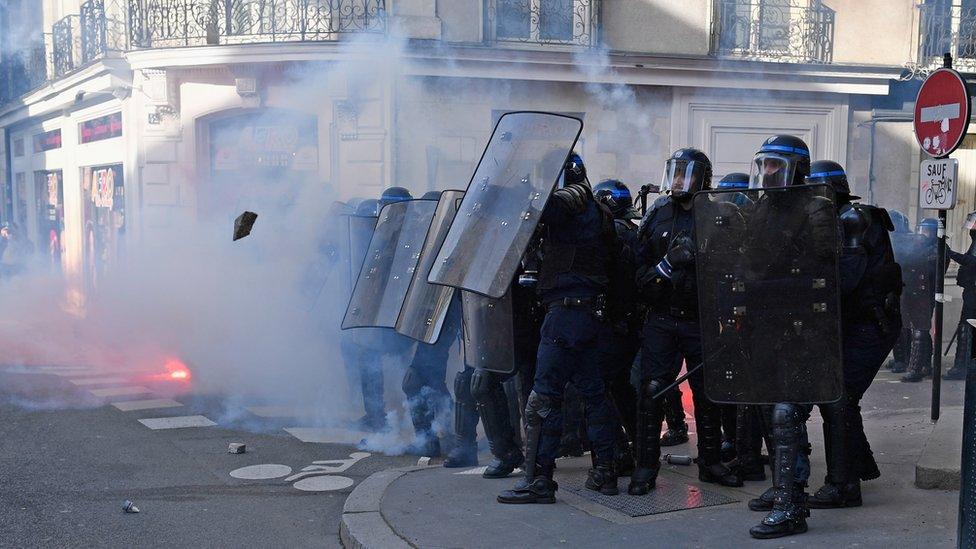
169	23
93	30
63	34
947	28
798	31
547	22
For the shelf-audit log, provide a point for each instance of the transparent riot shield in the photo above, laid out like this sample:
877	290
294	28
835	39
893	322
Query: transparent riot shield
425	305
332	251
389	265
360	231
769	299
504	200
917	254
489	335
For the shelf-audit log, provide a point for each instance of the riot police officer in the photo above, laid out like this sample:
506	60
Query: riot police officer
903	244
967	279
665	258
780	221
578	240
621	341
366	347
871	283
919	271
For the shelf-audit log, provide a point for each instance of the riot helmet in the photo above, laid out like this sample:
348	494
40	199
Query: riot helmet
368	208
394	194
616	196
929	227
355	202
781	161
431	195
899	220
685	173
833	174
734	180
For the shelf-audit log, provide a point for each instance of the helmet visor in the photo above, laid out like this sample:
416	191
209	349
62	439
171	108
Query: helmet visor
682	177
771	170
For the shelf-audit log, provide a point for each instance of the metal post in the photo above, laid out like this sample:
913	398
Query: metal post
939	300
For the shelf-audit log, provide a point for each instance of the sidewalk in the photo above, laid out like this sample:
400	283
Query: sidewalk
437	507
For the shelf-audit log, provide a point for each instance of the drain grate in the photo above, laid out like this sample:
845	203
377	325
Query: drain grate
668	496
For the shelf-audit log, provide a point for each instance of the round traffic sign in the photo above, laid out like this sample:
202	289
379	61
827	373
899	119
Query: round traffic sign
942	113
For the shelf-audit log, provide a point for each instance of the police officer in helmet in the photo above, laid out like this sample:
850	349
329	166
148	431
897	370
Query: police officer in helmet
871	283
574	275
665	259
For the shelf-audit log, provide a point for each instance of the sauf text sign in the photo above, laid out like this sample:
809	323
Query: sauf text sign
937	183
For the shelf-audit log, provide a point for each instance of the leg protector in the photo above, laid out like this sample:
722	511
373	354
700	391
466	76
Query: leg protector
537	409
650	415
465	451
493	407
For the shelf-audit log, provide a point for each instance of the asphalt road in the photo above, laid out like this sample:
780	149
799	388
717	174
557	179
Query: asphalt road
68	459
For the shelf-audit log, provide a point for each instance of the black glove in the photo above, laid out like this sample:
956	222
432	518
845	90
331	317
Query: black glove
651	284
572	197
682	252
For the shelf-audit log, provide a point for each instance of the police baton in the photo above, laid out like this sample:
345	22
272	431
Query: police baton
678	381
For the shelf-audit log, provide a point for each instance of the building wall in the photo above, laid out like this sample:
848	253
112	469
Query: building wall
658	26
874	32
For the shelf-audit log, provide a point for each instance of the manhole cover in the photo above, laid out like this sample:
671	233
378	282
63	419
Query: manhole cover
668	496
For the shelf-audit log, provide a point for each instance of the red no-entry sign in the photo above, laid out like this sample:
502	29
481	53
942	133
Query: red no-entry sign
942	112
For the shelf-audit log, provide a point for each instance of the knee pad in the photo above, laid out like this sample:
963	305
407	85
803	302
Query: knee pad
537	408
650	388
483	384
462	385
785	415
412	382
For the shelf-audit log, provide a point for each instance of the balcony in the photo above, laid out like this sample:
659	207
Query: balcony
543	22
786	31
177	23
947	28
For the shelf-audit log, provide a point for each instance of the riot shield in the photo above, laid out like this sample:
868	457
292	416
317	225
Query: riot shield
769	298
425	305
489	335
504	200
917	254
389	265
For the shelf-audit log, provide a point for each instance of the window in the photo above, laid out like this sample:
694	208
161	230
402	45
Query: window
948	26
19	147
774	30
544	21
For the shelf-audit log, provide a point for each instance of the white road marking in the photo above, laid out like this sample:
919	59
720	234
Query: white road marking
320	435
275	411
323	483
263	471
120	391
178	422
481	471
424	461
148	404
82	382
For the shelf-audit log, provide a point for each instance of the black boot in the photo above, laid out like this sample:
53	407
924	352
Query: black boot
425	445
919	357
764	502
675	436
708	423
624	459
538	489
503	465
789	512
833	496
650	415
954	374
748	464
496	417
716	473
788	517
602	478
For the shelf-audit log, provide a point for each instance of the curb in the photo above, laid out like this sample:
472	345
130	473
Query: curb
362	526
938	467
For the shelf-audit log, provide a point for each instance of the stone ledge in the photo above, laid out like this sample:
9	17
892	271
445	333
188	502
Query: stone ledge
938	466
